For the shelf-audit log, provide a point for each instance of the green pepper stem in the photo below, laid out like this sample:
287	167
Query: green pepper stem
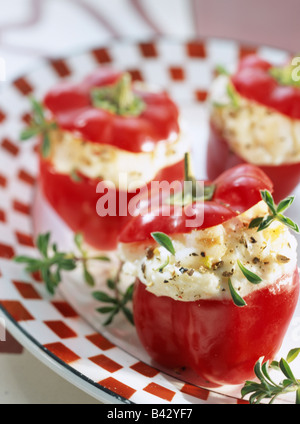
118	98
188	176
123	92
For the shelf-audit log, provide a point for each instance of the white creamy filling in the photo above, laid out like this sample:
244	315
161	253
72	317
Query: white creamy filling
126	170
206	259
256	133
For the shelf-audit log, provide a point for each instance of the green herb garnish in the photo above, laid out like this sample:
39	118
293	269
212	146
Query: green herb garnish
39	126
275	213
118	98
221	70
234	98
115	304
233	95
237	299
164	241
88	277
287	75
267	388
253	278
52	262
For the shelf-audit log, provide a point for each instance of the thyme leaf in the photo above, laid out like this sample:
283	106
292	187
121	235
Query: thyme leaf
115	303
164	241
275	213
293	353
237	299
255	222
39	125
253	278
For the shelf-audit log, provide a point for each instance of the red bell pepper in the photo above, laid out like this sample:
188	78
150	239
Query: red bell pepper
256	80
236	190
96	110
76	203
216	339
220	156
73	109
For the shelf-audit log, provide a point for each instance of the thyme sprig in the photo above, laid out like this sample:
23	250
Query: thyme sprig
39	125
115	303
53	262
275	213
267	388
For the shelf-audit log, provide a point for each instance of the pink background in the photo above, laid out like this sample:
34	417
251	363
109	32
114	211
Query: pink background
270	22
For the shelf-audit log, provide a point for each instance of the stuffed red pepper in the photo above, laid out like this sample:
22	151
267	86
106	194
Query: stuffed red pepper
215	297
255	118
102	140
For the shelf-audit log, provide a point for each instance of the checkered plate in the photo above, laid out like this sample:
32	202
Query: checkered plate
64	331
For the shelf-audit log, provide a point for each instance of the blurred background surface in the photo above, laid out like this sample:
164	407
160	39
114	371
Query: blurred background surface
33	29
